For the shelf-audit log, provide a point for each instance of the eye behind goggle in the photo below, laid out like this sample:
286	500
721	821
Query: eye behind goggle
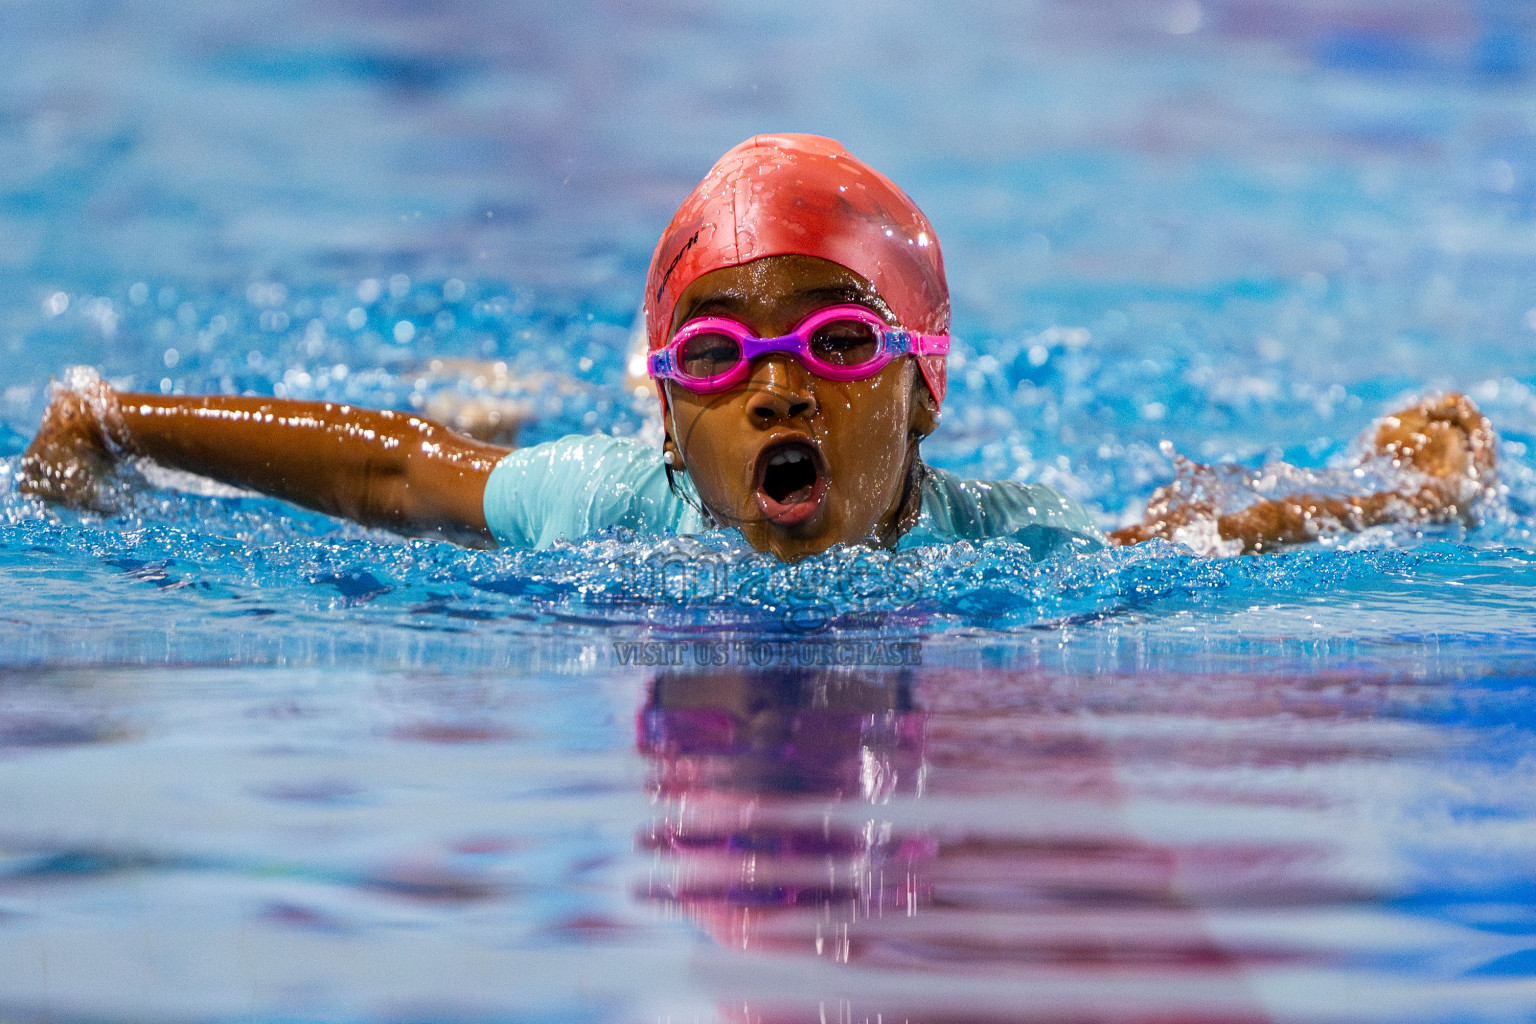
846	342
708	355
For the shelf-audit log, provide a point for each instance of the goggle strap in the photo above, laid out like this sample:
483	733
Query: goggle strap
910	343
931	345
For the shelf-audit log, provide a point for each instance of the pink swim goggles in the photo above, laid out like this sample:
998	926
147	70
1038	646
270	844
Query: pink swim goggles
715	353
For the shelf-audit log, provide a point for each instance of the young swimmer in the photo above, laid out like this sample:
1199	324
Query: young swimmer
797	317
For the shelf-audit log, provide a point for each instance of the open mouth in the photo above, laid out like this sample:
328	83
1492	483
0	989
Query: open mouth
791	482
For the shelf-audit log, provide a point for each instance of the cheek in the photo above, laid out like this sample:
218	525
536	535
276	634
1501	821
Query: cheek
710	442
700	438
885	410
872	436
881	403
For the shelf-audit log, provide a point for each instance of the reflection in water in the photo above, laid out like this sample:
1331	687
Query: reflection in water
741	758
793	829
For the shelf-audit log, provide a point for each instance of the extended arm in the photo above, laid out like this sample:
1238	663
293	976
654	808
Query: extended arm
1266	525
380	468
1443	448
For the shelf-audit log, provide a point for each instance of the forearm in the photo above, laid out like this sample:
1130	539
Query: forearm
1266	525
1300	519
1443	447
380	468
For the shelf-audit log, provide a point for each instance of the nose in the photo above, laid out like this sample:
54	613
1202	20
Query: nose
780	391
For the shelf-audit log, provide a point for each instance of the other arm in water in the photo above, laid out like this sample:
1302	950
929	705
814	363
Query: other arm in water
1443	448
381	468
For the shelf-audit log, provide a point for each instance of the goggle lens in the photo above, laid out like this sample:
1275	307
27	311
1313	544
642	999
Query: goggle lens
846	342
709	355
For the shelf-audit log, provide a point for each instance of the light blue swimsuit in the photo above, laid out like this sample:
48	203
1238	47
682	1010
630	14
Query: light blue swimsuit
585	483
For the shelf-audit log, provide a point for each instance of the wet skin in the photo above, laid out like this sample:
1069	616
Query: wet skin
865	431
380	468
399	471
1443	445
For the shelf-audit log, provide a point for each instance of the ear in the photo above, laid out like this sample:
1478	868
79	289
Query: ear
670	450
924	418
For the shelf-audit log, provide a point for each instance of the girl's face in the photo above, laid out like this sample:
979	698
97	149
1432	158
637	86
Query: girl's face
797	462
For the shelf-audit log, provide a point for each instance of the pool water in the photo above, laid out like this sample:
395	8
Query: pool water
258	764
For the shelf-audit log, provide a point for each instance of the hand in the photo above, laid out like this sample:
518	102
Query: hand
1448	441
77	444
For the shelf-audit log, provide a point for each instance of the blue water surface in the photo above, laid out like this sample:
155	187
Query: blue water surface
259	764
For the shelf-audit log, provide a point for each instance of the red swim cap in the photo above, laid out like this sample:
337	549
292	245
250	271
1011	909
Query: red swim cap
782	195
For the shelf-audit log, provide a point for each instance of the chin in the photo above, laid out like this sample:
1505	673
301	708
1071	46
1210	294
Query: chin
794	551
802	541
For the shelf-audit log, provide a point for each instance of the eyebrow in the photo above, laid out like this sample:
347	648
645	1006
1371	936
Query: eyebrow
856	296
846	292
723	302
730	302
